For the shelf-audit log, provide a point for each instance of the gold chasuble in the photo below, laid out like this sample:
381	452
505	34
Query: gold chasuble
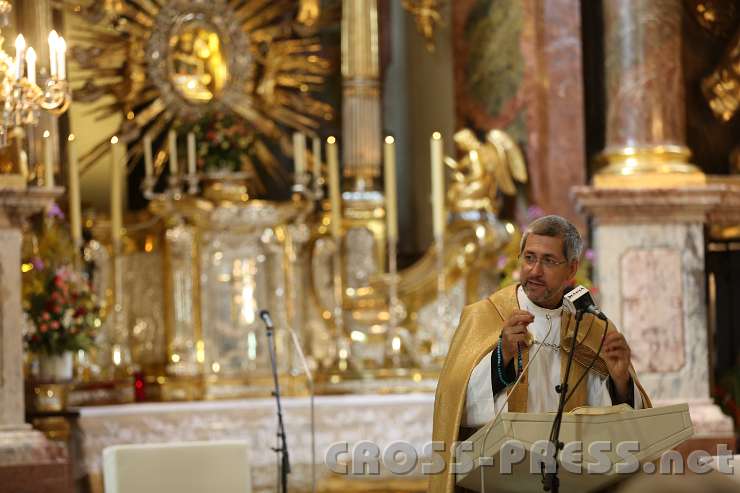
476	335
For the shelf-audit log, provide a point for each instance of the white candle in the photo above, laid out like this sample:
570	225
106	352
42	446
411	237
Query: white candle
31	63
116	193
173	152
299	154
20	50
391	205
191	153
53	38
148	163
75	216
61	58
316	148
335	197
438	186
48	161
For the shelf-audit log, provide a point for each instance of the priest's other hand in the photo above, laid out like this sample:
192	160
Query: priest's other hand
617	355
513	332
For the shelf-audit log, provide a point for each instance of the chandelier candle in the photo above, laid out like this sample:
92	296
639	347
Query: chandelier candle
53	40
61	55
20	50
31	65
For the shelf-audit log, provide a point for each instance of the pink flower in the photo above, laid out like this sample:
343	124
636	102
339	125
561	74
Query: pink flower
45	316
43	328
54	324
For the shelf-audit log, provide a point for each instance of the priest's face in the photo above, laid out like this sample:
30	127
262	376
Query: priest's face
545	272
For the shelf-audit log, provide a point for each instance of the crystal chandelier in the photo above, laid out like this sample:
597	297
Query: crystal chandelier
21	96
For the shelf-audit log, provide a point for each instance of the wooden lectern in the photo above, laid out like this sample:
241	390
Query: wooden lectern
655	430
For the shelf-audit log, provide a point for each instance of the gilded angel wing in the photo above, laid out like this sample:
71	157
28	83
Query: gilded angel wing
500	169
514	157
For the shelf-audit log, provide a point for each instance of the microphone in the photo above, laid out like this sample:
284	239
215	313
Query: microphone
265	316
582	301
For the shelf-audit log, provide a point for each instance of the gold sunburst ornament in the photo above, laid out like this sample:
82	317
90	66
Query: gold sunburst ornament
172	62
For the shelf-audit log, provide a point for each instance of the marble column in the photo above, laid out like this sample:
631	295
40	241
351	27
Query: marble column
19	444
645	121
649	270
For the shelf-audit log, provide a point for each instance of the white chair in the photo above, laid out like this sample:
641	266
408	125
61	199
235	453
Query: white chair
178	467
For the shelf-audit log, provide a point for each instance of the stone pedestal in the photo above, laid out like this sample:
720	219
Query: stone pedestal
651	283
20	446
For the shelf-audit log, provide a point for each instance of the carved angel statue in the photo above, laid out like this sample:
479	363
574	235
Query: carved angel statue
485	168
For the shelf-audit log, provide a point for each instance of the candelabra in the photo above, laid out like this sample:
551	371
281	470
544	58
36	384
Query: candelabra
22	98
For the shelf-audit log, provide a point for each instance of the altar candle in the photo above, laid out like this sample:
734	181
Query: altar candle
148	163
173	152
391	206
438	186
48	161
61	54
316	148
53	39
299	154
191	153
75	216
31	65
20	51
116	193
335	197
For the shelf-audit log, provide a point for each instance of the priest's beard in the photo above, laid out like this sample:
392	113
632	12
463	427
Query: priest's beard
541	294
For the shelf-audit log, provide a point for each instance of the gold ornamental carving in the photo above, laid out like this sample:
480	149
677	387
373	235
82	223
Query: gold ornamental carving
171	62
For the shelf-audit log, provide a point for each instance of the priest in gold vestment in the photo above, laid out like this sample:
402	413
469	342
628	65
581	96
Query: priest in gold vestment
496	336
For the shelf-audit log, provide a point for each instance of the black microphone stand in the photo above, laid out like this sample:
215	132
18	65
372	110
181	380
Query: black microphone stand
282	448
550	481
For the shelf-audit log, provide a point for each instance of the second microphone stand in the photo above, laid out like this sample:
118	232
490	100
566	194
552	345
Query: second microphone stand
282	448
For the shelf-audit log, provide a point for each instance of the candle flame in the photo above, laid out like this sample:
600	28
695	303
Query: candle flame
436	135
114	140
71	137
389	139
47	134
331	140
20	42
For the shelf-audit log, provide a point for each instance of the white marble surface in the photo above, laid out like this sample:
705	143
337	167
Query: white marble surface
378	418
651	284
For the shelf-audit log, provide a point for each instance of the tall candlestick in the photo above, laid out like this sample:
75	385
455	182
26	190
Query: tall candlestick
335	197
148	163
53	38
75	216
61	58
299	154
438	186
116	194
20	51
316	148
173	152
391	206
31	65
191	153
48	161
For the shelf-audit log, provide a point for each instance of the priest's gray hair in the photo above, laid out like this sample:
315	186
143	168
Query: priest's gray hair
557	227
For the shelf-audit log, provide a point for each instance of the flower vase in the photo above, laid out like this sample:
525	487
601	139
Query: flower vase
56	367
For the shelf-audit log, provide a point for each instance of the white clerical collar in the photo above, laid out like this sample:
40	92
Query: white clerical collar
526	304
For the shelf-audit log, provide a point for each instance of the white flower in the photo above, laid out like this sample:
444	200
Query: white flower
67	318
